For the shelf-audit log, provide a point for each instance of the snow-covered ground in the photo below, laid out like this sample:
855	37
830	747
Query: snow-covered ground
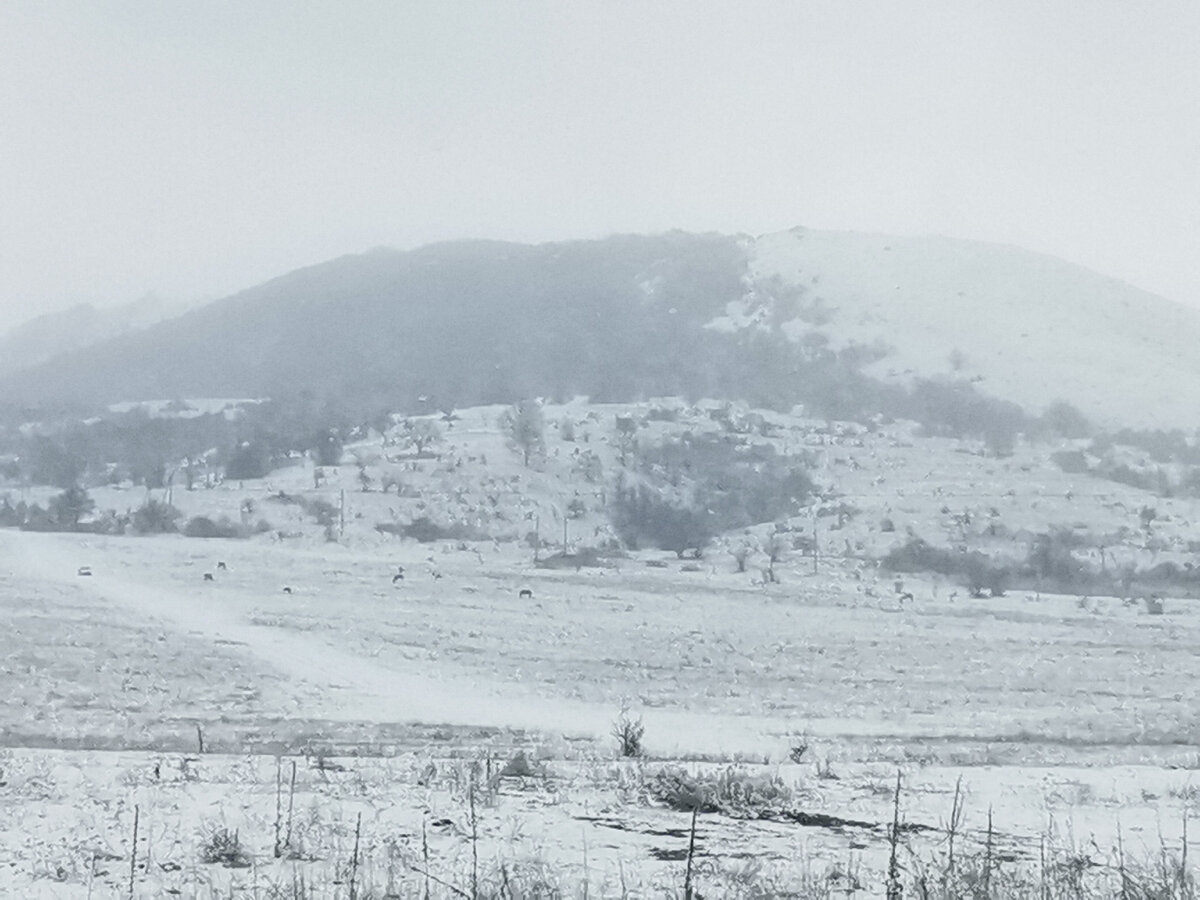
1067	717
1047	711
1031	328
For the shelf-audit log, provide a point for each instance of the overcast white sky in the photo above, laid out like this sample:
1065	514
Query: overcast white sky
193	149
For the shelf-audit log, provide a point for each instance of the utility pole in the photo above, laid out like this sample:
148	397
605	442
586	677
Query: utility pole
816	549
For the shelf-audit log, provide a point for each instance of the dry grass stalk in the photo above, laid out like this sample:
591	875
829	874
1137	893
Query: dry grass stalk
894	888
133	851
354	859
687	878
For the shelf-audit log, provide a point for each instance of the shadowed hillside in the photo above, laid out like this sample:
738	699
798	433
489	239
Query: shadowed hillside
847	325
55	334
456	323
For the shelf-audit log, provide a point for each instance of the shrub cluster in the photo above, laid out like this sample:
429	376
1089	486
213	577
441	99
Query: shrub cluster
224	847
204	527
732	791
425	530
692	487
1050	564
981	575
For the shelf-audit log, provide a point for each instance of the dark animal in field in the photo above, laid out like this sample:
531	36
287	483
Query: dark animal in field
208	576
85	570
526	594
222	566
905	596
287	590
399	576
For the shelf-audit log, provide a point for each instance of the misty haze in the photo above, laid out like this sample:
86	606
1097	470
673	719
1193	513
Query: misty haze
505	498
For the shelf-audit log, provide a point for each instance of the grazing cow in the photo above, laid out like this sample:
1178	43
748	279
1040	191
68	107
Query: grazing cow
208	576
222	566
526	594
287	590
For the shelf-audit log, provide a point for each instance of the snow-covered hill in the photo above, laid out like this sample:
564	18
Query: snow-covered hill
474	323
1027	327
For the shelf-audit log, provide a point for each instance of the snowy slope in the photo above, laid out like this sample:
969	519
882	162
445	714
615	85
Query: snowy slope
1027	327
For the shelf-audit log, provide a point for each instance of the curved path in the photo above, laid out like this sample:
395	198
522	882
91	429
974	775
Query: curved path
357	688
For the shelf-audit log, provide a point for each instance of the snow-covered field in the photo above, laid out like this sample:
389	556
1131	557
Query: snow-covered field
387	698
1072	719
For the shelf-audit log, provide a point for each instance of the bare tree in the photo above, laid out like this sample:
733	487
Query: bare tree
741	553
70	506
626	437
526	426
422	433
777	546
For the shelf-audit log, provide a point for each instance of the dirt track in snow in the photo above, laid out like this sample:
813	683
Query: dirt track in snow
353	687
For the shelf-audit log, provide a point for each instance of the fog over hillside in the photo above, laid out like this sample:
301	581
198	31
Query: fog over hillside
759	457
627	317
1024	326
54	334
459	323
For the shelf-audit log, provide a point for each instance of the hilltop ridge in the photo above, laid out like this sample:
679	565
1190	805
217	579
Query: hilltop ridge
826	320
1025	327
